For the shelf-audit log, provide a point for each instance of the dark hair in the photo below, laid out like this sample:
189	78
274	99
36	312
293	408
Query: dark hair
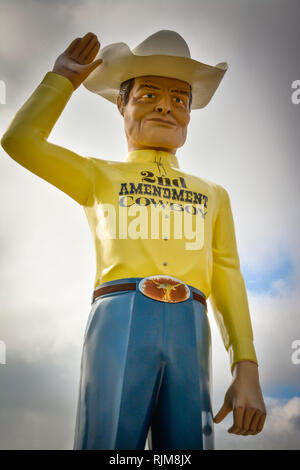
126	87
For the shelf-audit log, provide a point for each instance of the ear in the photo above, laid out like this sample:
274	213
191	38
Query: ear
120	104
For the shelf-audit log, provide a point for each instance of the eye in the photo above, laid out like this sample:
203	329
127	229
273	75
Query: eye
148	95
178	100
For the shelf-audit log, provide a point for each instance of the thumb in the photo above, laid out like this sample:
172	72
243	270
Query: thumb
226	408
93	65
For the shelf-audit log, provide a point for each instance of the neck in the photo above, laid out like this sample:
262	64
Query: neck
132	147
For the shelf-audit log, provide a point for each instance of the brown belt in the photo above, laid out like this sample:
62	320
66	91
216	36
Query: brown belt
132	286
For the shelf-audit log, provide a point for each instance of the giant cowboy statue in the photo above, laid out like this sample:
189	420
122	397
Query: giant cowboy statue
164	241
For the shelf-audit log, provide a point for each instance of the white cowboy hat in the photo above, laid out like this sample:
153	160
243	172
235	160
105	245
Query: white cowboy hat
164	53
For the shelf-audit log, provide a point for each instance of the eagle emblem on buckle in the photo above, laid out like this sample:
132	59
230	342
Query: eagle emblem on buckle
164	288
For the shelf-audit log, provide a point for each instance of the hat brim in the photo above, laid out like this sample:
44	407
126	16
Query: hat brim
120	64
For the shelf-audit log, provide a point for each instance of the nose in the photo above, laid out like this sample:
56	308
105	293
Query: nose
163	106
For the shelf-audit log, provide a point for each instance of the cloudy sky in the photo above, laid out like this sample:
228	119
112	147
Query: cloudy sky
247	140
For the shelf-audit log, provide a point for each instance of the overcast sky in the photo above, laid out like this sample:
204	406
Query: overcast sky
247	140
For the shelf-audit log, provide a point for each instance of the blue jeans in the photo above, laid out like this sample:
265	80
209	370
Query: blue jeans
145	366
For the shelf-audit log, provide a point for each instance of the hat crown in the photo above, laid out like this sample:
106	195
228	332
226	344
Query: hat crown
163	42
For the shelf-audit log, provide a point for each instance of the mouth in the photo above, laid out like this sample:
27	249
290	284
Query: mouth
162	121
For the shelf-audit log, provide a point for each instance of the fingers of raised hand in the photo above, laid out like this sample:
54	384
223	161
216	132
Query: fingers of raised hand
83	50
247	421
71	47
90	51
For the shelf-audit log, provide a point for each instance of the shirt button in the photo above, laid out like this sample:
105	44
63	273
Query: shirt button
165	263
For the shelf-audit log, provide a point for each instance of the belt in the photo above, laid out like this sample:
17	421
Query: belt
132	286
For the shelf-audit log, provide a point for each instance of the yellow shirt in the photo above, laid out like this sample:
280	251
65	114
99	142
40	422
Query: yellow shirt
120	200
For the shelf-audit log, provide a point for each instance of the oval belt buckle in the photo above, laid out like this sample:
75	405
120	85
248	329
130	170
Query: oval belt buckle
164	288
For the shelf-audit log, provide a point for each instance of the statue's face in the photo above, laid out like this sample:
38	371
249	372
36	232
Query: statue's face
157	113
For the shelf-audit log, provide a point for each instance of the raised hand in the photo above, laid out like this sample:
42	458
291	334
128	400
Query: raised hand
76	62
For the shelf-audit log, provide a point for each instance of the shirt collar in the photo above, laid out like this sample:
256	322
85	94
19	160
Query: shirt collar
152	155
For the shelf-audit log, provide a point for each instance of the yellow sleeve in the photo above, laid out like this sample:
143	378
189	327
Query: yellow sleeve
228	293
26	140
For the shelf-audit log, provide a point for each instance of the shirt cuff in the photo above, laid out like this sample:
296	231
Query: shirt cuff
58	82
243	350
